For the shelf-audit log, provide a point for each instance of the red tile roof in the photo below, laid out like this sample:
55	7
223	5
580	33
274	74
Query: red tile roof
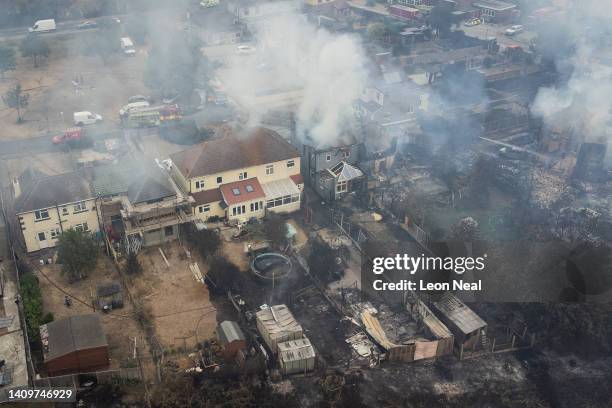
297	179
228	191
231	152
207	196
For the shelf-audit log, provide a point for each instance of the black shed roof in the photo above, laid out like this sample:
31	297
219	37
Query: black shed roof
74	333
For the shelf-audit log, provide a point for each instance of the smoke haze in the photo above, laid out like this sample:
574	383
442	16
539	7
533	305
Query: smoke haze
325	72
579	52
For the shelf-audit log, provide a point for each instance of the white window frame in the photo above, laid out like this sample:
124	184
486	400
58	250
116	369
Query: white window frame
44	235
204	208
82	227
219	179
328	157
342	186
242	175
290	163
269	169
38	215
80	207
199	184
54	233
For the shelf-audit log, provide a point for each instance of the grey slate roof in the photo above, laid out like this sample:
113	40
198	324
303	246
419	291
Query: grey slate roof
49	191
111	179
151	184
74	333
457	312
140	183
229	331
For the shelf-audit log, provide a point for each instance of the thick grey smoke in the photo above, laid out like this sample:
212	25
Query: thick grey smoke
296	62
583	102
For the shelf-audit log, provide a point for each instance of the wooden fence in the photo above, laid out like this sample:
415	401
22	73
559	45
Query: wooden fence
102	377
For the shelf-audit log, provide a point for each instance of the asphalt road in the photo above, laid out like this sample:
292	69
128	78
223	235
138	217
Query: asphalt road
43	144
63	27
487	30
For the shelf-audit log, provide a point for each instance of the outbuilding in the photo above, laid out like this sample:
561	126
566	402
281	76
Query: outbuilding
276	324
296	356
76	344
231	338
466	326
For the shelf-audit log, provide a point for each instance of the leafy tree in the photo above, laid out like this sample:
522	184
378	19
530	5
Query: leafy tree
322	260
132	266
16	99
275	229
31	296
8	61
441	19
35	47
91	8
377	32
106	40
207	242
222	275
77	252
466	229
175	66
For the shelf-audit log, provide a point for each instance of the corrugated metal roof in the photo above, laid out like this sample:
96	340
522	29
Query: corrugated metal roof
457	312
296	350
280	188
278	321
229	331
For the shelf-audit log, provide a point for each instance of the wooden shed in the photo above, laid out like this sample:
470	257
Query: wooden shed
231	338
466	326
76	344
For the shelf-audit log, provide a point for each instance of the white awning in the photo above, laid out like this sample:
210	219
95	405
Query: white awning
280	188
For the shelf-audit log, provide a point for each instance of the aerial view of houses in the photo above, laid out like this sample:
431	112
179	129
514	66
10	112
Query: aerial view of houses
306	203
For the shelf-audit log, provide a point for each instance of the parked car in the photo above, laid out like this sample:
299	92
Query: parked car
515	29
473	22
70	135
245	50
138	98
87	25
86	118
43	26
127	46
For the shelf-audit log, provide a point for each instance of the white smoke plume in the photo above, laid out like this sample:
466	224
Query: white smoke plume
323	73
584	101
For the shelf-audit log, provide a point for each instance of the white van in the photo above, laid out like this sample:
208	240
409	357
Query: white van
127	46
43	26
86	118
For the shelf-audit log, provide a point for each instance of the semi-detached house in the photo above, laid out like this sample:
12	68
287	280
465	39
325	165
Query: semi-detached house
47	206
240	176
